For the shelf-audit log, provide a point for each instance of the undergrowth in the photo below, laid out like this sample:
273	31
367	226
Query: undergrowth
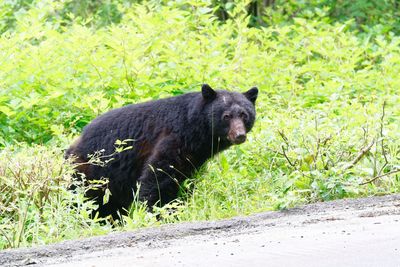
328	122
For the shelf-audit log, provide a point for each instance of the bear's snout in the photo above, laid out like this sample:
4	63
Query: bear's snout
237	132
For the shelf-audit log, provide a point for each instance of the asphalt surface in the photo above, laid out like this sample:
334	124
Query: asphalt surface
359	232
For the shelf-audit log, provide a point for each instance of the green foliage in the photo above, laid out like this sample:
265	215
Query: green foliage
95	13
35	206
371	16
328	117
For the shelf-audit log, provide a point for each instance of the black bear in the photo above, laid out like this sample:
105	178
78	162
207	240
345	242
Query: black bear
170	138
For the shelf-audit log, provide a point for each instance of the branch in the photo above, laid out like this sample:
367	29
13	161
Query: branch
287	158
360	155
282	135
382	139
380	176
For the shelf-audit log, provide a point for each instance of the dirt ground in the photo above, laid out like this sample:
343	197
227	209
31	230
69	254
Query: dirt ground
357	232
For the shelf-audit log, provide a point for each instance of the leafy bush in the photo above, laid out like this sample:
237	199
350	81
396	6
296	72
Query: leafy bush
366	15
327	126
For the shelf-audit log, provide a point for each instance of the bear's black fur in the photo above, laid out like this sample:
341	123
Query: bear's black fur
171	138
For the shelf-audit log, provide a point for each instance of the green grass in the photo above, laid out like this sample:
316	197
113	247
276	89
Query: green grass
327	115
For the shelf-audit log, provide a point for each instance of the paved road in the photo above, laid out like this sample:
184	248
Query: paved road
363	232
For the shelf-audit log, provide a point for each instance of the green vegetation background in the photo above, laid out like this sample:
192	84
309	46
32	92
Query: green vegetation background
328	121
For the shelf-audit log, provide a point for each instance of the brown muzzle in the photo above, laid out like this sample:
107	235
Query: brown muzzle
237	131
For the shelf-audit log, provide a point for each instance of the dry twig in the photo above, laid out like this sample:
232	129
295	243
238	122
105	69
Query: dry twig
286	140
382	139
360	155
380	176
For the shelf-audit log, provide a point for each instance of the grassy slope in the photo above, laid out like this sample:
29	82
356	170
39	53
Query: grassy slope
323	93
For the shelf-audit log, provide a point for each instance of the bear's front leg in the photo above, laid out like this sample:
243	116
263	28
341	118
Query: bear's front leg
163	173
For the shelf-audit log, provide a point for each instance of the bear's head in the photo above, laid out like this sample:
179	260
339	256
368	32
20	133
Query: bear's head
231	114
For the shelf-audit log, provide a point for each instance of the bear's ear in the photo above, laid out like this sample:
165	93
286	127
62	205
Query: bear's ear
252	94
207	92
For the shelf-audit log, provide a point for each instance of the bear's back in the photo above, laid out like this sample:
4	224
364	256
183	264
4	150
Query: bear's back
135	122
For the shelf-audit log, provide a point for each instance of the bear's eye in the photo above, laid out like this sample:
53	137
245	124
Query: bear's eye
243	116
226	117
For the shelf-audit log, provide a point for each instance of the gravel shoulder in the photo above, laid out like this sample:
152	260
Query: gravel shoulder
353	232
